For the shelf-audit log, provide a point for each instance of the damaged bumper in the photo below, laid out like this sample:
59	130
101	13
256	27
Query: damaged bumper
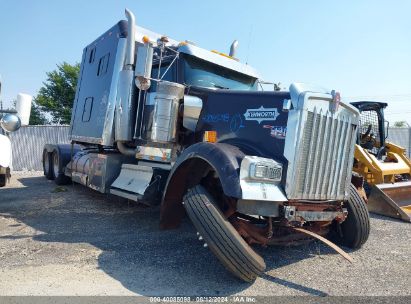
262	195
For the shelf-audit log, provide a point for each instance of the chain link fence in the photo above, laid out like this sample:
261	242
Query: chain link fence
28	142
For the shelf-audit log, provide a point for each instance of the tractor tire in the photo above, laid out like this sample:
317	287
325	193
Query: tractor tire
356	228
58	170
221	237
47	165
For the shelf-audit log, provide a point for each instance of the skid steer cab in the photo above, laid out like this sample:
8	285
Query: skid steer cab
164	122
384	166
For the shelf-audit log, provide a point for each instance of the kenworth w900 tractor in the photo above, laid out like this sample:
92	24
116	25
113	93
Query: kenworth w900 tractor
164	122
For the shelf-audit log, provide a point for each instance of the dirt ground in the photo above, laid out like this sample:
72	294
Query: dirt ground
73	241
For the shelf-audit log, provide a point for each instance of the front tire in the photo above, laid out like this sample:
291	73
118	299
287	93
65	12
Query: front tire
222	238
355	229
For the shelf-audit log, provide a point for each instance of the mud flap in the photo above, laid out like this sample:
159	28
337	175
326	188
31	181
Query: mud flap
393	200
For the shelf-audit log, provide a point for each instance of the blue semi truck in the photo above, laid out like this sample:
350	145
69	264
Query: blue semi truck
165	122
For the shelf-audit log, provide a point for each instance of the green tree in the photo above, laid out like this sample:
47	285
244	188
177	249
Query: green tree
400	124
57	94
37	116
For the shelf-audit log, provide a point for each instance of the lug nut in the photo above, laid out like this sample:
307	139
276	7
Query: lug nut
200	238
205	245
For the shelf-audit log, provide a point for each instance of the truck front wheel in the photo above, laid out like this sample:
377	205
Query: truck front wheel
221	237
354	231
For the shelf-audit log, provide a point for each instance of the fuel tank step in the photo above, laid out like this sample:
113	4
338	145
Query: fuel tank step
132	181
125	194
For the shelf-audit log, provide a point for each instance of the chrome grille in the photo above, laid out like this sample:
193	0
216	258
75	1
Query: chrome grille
324	161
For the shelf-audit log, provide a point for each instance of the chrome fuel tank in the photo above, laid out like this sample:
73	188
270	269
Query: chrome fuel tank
95	170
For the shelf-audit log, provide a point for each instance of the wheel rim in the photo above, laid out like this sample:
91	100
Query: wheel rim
55	165
46	163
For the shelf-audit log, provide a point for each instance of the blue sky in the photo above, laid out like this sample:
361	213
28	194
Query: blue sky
361	48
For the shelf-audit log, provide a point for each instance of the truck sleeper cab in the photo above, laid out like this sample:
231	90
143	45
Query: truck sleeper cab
158	121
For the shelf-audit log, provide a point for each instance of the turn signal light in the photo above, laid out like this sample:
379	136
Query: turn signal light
210	136
146	39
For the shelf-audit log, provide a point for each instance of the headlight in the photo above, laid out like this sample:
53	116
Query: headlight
265	169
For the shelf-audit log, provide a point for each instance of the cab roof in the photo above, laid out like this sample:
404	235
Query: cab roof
369	105
191	49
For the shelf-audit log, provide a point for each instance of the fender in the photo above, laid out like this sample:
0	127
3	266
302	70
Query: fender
189	169
64	151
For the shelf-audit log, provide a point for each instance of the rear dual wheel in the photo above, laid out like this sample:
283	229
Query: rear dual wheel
58	170
221	237
47	165
53	168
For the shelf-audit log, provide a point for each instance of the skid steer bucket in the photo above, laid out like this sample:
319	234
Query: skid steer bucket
393	200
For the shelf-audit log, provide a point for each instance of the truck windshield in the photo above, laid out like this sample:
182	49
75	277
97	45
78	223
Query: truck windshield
202	73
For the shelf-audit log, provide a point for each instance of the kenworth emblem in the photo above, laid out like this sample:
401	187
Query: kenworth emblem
261	114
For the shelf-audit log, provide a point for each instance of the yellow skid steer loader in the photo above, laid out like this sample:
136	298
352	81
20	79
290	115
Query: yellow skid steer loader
384	166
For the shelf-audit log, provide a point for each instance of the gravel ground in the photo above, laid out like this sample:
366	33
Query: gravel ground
73	241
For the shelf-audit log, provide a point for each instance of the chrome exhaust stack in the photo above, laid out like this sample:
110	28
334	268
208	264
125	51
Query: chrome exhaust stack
233	48
129	60
125	88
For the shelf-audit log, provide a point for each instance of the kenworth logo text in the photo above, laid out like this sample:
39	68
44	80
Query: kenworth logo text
261	114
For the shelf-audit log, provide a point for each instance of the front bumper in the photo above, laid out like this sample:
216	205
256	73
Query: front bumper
294	211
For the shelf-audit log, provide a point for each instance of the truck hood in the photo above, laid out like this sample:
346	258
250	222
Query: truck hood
252	120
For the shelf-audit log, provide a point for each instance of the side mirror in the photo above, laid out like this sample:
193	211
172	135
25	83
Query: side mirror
10	122
387	126
144	63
